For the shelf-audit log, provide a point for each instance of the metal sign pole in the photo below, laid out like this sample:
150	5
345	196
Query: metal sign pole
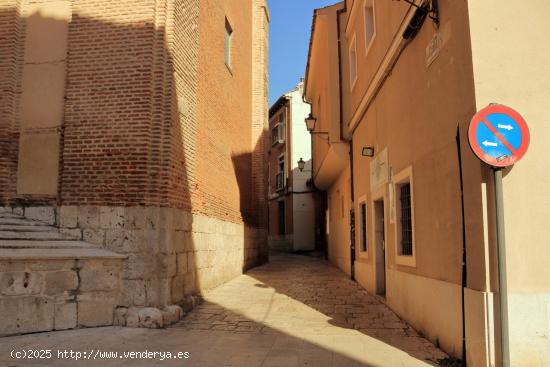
503	286
499	136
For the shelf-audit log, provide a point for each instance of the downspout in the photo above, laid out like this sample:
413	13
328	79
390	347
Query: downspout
464	258
350	141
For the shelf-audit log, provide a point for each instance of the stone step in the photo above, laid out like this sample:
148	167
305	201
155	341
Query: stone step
9	215
15	244
37	236
27	228
88	252
21	222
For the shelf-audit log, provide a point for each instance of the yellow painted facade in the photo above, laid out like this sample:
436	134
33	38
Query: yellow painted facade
373	84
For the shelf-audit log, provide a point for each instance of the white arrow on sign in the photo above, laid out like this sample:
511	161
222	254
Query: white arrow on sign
506	127
489	144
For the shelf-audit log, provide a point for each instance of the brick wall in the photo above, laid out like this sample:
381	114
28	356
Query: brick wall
139	126
183	46
156	126
224	178
11	56
113	129
260	136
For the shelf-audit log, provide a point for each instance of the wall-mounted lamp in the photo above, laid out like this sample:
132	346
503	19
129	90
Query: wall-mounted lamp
310	125
367	152
310	122
301	164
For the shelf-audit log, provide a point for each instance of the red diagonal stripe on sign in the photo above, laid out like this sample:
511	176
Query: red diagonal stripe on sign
499	136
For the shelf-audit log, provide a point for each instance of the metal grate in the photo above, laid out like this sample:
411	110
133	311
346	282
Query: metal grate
363	227
406	220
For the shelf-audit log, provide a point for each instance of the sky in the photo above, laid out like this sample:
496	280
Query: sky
289	42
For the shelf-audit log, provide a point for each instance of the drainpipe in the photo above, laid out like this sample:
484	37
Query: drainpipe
350	141
464	264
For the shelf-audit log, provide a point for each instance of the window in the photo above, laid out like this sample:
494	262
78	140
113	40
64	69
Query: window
227	43
280	178
278	130
404	229
405	219
353	62
370	30
363	226
277	134
342	206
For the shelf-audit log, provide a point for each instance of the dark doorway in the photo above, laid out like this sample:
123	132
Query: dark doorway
380	243
281	216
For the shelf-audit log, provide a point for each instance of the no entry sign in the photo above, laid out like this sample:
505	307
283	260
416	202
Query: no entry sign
498	135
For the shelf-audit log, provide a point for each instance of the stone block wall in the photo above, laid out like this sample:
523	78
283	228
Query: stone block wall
161	152
171	253
38	295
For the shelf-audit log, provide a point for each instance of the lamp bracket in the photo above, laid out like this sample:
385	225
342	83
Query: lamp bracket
320	133
430	8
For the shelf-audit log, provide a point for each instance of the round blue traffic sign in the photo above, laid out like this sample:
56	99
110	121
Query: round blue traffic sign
498	135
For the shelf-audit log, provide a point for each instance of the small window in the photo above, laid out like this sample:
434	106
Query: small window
363	226
342	206
227	43
370	30
353	62
405	219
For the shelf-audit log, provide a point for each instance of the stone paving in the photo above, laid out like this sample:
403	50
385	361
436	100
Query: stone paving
294	311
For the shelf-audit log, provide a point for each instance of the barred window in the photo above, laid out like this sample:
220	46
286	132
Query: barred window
406	219
363	226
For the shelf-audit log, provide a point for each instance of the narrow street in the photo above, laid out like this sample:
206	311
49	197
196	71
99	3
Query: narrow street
294	311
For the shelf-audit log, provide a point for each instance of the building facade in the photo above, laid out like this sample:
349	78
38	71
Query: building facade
118	121
395	88
291	196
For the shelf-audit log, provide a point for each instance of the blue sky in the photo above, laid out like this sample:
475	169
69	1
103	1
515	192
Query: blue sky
289	41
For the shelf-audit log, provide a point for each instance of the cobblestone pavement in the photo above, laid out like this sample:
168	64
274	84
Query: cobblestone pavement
294	311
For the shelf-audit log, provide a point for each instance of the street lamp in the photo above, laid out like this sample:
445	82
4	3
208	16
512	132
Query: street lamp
310	125
301	164
310	122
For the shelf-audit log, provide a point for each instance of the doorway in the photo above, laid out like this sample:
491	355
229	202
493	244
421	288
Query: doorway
380	243
281	217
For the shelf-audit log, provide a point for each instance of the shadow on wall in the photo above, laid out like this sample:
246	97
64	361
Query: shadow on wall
253	205
124	154
116	130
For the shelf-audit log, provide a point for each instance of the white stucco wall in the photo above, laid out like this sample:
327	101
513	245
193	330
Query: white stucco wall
303	209
301	139
302	197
